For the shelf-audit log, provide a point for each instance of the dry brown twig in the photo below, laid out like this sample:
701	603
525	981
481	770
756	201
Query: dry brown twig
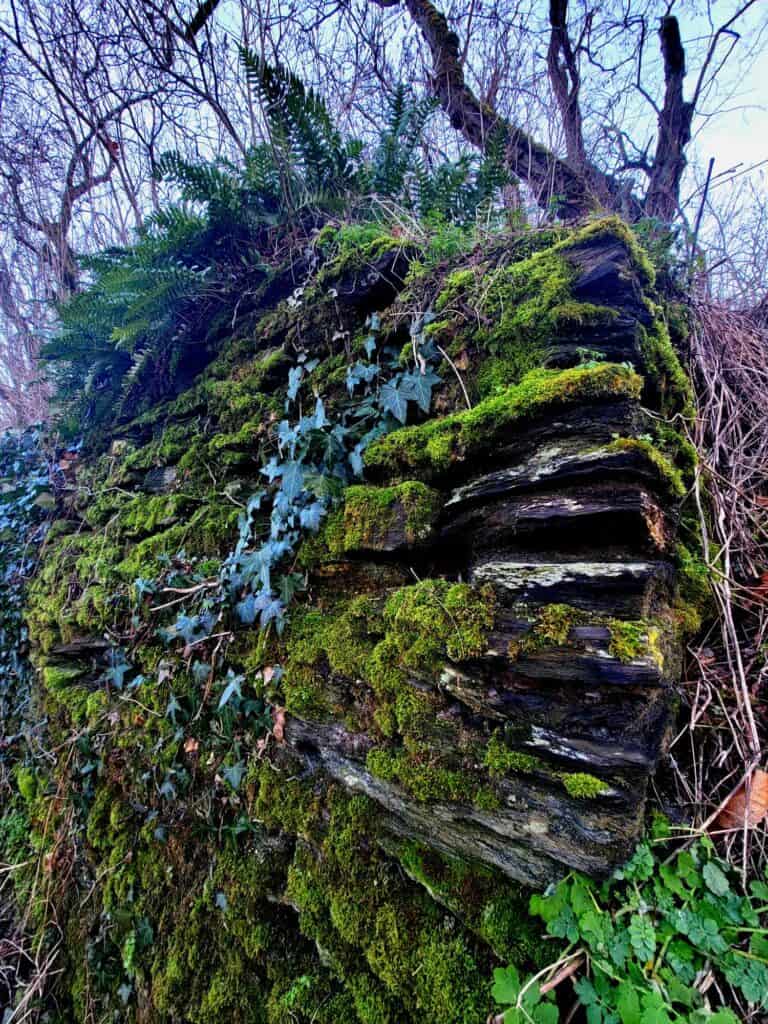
725	735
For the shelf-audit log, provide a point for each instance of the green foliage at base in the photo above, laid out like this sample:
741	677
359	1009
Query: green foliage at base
647	935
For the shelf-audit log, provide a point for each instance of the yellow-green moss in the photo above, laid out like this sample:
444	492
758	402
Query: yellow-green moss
629	640
667	381
582	786
421	775
668	473
431	449
370	512
492	907
387	939
501	761
351	247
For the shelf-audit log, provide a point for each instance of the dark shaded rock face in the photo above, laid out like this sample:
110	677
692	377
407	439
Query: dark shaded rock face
476	681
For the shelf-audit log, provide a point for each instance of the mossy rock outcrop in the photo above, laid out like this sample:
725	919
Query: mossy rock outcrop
341	821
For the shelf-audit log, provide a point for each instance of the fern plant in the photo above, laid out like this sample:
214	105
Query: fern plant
142	324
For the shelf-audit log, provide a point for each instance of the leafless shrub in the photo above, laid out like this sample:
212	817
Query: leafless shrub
723	742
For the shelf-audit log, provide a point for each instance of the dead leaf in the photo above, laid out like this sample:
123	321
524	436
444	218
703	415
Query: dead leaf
268	673
742	808
278	729
191	746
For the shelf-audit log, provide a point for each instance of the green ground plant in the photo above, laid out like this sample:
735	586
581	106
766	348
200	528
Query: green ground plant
645	939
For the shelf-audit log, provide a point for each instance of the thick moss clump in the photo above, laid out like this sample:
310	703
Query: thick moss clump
393	946
496	910
375	519
522	309
668	383
668	473
582	786
353	247
431	449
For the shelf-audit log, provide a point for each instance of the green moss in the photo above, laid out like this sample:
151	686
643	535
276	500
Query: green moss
494	908
421	775
424	625
27	783
668	383
371	512
518	311
58	677
582	786
629	640
337	642
401	956
486	798
614	227
501	761
351	247
431	449
693	594
146	514
668	473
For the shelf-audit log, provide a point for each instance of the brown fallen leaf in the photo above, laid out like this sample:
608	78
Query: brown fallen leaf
191	746
742	808
278	729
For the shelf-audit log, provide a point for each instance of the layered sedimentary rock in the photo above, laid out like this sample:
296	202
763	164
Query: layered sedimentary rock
474	683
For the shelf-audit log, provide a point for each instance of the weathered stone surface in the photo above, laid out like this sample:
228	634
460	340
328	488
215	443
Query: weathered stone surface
629	588
528	839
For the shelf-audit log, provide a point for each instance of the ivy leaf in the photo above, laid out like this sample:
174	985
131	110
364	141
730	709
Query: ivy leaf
233	687
293	480
118	669
273	612
142	587
254	503
356	460
234	775
320	419
310	516
246	610
200	672
125	992
289	585
272	469
294	381
392	401
173	708
418	388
